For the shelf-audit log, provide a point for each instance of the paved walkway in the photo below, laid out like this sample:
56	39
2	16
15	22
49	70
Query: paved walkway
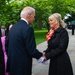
40	69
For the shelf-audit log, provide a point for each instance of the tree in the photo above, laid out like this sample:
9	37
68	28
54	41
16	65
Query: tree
10	10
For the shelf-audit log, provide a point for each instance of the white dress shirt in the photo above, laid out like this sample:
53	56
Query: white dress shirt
25	20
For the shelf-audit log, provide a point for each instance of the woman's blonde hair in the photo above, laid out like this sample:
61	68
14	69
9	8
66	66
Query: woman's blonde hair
57	16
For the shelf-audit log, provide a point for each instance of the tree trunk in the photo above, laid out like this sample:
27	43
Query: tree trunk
39	24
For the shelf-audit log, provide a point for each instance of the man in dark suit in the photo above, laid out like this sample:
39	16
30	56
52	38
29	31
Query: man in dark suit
21	44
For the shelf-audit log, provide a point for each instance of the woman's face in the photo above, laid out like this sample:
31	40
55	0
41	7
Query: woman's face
53	22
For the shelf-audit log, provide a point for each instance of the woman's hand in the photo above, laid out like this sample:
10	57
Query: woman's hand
45	58
44	55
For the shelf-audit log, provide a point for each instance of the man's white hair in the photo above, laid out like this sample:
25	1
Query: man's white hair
26	11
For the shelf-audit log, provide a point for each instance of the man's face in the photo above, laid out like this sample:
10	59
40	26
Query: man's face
31	18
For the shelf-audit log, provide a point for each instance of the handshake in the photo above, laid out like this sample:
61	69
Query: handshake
43	59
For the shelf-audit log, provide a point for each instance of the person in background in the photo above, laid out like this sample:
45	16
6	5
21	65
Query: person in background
22	45
2	30
57	39
3	38
8	28
73	27
6	38
2	69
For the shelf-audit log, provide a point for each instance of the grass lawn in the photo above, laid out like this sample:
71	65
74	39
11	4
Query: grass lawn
40	36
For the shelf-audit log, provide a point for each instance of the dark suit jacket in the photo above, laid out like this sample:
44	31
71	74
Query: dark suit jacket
21	49
2	69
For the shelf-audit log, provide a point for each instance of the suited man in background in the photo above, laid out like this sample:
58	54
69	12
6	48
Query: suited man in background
21	44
